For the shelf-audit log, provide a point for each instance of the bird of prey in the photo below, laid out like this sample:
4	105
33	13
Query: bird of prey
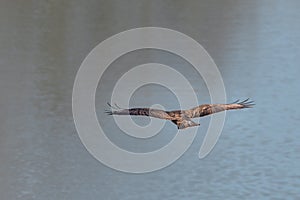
182	118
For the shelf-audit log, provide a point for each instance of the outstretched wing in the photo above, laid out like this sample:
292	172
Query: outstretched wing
182	118
139	111
208	109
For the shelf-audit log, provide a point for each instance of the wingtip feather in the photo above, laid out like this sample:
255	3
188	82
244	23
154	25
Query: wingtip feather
247	103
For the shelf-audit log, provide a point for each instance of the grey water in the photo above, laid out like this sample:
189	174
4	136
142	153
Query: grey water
256	46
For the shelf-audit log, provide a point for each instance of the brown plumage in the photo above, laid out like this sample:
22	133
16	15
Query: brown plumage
182	118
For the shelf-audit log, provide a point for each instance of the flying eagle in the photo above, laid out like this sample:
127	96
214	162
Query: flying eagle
182	118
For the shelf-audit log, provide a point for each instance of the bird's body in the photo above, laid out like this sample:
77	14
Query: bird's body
182	118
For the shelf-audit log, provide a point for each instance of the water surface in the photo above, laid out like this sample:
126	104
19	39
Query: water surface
256	45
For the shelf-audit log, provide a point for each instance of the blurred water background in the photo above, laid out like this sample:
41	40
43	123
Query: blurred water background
255	44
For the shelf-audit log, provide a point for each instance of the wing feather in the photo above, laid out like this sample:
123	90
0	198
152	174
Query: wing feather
140	112
208	109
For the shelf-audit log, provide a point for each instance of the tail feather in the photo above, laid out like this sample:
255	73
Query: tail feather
185	123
